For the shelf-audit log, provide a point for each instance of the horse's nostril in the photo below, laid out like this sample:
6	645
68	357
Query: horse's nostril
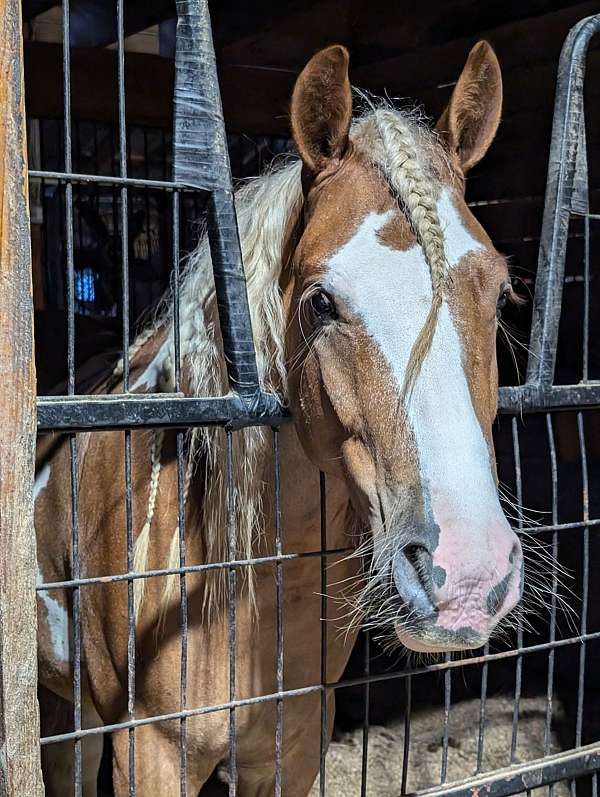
412	568
420	558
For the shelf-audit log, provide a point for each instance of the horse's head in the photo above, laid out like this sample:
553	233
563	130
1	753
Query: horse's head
391	348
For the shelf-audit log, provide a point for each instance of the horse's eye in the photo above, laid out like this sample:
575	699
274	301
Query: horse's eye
323	306
503	299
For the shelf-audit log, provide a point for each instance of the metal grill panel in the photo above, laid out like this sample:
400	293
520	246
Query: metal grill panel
201	166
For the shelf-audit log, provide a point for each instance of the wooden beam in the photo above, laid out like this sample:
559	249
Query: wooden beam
20	772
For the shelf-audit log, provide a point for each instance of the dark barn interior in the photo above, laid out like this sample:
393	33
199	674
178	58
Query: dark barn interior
410	51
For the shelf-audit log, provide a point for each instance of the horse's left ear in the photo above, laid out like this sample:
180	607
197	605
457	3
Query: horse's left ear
322	108
471	119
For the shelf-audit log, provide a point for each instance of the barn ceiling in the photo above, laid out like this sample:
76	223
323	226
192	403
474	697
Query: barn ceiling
284	34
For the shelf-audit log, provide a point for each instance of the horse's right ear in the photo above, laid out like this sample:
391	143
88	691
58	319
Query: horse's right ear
322	108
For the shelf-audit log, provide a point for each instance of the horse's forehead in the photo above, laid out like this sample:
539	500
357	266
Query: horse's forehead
383	252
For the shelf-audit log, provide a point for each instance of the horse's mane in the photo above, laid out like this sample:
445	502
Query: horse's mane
413	162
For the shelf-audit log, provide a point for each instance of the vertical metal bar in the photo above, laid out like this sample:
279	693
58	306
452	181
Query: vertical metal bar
97	171
181	500
75	571
183	615
176	289
130	613
279	600
585	576
125	314
66	18
147	205
566	128
447	704
77	222
554	587
50	280
586	301
482	710
406	742
519	658
365	731
201	160
232	297
323	744
124	194
231	553
76	595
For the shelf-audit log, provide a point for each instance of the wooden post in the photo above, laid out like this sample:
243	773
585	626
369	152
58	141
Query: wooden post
20	773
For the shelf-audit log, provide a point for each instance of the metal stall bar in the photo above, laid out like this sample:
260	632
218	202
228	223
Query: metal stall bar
20	771
201	164
566	191
524	777
566	195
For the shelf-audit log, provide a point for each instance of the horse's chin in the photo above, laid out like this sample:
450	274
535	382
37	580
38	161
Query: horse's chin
427	643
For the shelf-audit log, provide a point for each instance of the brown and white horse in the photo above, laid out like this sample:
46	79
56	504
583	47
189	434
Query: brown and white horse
374	296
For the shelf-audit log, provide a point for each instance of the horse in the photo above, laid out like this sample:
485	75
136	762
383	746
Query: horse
374	296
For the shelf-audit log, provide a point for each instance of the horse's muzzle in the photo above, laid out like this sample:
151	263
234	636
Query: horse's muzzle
456	608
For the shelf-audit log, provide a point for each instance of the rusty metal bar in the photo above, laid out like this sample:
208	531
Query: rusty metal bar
523	777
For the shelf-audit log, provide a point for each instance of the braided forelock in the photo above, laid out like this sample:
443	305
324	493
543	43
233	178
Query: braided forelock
398	157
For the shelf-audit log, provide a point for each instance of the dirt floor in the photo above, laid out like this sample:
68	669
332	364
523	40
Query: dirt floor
344	758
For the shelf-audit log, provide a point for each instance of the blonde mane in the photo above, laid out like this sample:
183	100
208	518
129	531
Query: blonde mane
412	161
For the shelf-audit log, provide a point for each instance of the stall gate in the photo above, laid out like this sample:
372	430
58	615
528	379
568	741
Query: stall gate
201	166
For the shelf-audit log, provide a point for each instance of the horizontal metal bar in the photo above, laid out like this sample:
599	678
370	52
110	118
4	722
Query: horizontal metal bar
535	398
174	410
131	182
262	560
176	571
178	715
286	693
146	410
524	777
575	524
460	663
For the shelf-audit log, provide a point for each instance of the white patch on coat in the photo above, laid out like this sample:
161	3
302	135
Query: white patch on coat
391	290
56	614
151	376
41	480
57	619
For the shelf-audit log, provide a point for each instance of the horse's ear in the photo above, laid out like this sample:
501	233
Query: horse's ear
322	108
471	119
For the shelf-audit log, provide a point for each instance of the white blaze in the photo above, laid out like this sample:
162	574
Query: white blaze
56	614
391	290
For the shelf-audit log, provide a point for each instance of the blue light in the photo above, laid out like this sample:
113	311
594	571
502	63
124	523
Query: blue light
85	285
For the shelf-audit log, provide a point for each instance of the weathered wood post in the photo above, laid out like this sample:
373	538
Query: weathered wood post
20	773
